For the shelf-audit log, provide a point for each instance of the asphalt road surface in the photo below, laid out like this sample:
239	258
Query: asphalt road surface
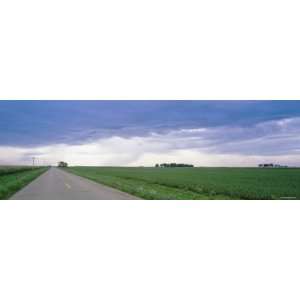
56	184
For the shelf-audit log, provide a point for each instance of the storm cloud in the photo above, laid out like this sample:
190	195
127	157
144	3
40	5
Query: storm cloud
145	132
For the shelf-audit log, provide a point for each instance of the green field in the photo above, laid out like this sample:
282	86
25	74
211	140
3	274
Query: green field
198	183
14	178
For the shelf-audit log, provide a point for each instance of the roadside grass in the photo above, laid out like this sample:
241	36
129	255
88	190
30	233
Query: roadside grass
5	170
197	183
15	179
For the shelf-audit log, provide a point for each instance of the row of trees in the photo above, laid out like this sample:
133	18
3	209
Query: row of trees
63	164
173	165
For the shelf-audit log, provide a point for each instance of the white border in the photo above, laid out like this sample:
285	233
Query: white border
149	50
149	250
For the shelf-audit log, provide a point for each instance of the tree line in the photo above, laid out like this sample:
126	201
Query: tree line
173	165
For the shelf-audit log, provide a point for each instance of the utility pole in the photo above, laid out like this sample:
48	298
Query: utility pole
33	161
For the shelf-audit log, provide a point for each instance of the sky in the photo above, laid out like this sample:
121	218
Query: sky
143	133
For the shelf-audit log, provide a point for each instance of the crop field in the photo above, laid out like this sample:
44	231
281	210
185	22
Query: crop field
198	183
14	178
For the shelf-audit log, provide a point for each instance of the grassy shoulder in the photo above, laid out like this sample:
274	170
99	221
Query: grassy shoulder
12	181
198	183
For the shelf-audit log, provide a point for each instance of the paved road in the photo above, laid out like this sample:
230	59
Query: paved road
56	184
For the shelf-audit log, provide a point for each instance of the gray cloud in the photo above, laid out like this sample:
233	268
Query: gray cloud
272	141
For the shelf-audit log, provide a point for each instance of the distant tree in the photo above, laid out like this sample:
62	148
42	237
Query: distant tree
62	164
156	165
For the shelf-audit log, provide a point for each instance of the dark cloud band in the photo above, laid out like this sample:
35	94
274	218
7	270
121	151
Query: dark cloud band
38	123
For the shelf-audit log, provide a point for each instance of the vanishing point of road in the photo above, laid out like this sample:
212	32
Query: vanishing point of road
56	184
